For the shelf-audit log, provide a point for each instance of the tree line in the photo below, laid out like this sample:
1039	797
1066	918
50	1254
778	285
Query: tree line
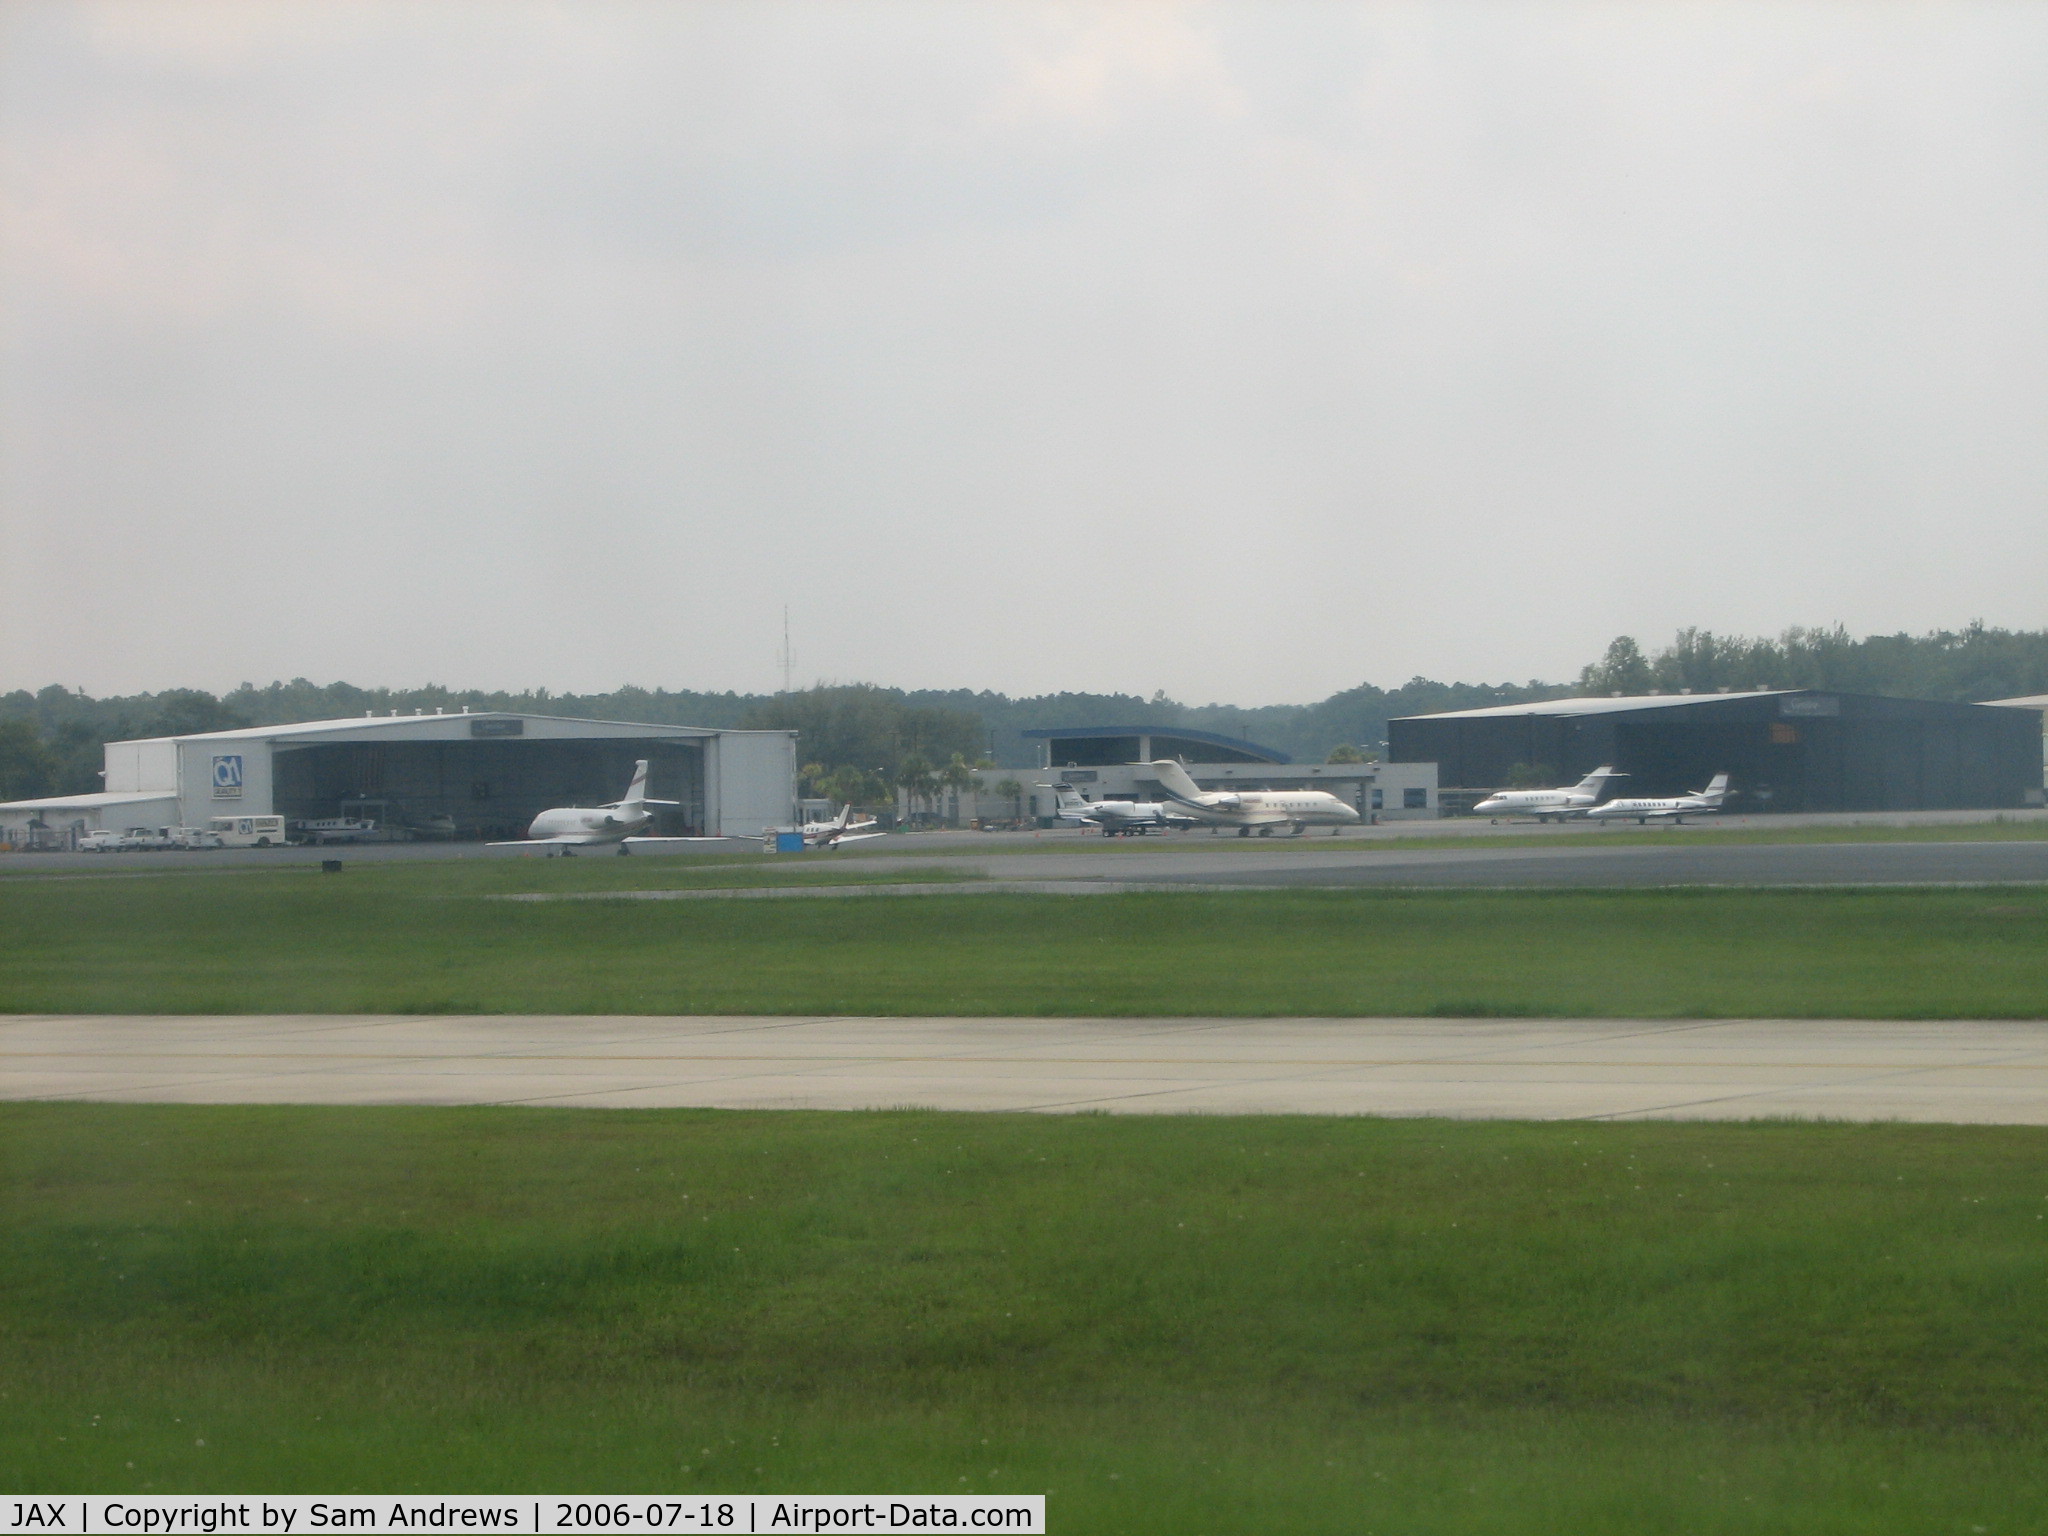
860	741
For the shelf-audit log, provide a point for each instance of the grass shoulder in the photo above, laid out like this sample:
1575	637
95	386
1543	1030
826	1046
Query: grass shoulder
1278	1323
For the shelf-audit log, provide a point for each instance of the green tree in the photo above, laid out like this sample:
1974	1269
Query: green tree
914	777
27	766
1622	670
853	786
1343	752
187	712
1012	790
867	727
956	776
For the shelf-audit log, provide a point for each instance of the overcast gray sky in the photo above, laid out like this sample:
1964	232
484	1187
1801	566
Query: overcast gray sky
1245	351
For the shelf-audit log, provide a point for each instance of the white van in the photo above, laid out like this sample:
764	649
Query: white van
248	831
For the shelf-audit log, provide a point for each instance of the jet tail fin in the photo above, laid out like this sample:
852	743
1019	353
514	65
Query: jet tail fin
1590	784
1174	779
1066	797
1717	790
637	790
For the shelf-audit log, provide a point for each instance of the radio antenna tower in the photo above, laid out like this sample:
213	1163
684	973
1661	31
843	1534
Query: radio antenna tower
788	657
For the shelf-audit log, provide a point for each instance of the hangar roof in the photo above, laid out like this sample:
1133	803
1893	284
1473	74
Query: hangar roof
1599	706
97	799
444	728
1177	732
1637	703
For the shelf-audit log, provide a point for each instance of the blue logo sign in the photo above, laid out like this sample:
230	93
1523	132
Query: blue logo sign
227	777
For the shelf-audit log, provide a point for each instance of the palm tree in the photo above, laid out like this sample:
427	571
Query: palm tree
914	778
956	776
1012	791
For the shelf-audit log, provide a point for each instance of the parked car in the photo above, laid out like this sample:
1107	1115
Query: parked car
102	840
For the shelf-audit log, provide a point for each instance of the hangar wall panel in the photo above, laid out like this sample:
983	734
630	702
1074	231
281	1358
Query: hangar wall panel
223	778
136	767
754	781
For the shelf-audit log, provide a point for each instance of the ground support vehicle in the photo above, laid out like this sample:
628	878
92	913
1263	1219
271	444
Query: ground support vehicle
248	831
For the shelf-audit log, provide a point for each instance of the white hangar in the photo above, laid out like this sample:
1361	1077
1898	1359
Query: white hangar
469	775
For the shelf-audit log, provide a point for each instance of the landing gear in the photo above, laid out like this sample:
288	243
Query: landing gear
624	850
1265	831
1244	831
1299	828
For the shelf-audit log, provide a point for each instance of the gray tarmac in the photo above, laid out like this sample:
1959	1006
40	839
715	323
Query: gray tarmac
1957	1071
1006	853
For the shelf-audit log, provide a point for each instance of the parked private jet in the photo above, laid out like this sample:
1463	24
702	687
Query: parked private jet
1250	809
1546	803
1673	809
1118	818
566	828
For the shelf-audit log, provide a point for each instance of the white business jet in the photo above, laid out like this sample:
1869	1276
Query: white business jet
566	828
1252	809
1673	809
1546	803
1118	818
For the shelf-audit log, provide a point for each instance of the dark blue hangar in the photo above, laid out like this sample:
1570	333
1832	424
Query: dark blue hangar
1797	749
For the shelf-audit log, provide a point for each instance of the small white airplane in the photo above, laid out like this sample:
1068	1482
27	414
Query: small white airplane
1250	809
1673	809
566	828
1117	818
1546	803
830	834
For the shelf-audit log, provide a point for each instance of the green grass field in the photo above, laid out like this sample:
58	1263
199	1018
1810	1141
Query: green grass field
1186	1325
423	938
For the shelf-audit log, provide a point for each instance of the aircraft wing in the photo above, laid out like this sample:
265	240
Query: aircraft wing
855	837
680	842
566	840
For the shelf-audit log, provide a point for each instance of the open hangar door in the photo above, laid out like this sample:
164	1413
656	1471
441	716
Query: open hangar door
485	789
1664	759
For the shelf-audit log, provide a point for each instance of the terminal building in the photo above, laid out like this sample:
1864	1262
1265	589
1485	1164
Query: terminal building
1798	749
484	775
1107	763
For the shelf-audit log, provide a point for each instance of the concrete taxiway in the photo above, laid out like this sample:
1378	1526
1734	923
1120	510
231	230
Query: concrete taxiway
1063	843
1994	1073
